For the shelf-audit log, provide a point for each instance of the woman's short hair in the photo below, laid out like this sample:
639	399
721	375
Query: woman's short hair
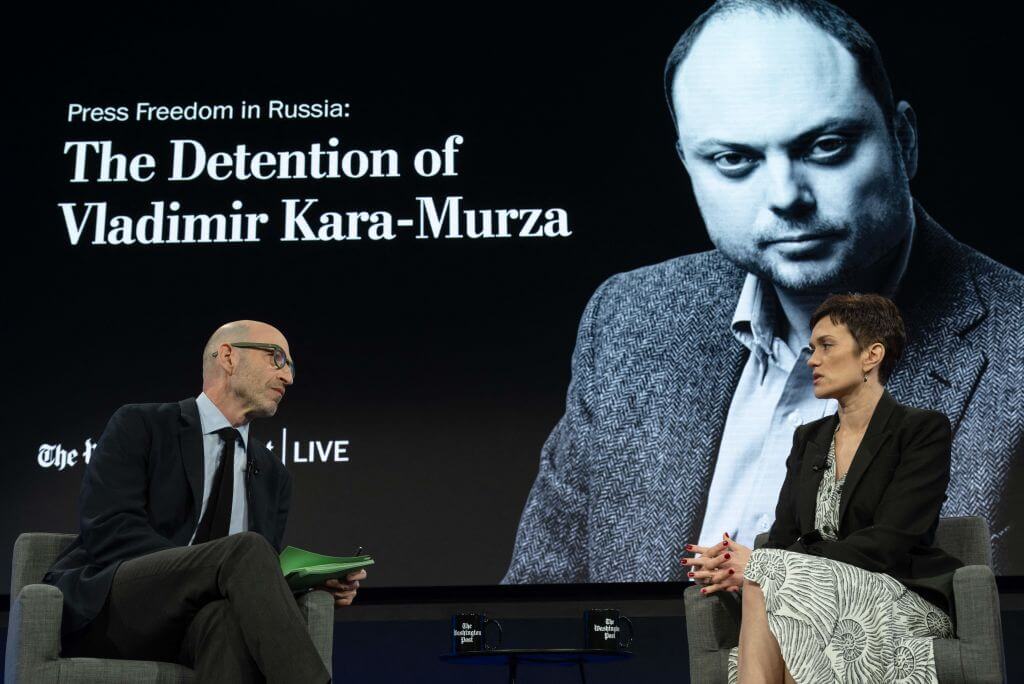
871	318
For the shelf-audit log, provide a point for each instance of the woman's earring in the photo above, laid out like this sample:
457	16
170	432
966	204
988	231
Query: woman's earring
865	377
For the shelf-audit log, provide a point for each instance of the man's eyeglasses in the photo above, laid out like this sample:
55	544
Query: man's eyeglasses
280	357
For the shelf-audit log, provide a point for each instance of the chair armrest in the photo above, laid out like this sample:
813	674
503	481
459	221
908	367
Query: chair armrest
317	608
712	629
978	626
33	631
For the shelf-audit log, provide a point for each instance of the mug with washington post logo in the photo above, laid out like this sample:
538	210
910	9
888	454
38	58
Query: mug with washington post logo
603	630
469	632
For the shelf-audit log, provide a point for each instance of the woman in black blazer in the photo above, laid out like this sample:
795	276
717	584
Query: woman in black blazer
849	580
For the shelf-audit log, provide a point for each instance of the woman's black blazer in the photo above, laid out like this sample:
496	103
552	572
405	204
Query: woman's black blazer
890	504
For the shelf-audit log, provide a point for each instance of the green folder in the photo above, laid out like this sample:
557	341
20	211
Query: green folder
305	569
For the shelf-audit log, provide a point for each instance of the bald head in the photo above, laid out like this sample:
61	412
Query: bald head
243	374
236	331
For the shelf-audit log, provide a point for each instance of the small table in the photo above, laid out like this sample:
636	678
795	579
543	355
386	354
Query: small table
547	656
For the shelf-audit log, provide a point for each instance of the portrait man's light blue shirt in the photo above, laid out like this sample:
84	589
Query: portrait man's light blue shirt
774	396
211	420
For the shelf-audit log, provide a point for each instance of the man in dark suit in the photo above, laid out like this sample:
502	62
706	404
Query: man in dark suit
689	376
182	517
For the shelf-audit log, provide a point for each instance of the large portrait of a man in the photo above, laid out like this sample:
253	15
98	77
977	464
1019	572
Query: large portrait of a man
689	376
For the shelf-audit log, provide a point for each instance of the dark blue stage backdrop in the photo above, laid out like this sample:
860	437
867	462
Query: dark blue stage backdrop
424	201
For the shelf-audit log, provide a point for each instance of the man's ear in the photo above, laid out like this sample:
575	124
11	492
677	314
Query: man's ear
905	128
226	358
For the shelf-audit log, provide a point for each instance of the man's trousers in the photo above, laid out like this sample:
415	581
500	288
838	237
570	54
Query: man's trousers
222	608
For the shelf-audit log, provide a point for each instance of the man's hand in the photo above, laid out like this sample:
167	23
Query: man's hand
344	592
719	567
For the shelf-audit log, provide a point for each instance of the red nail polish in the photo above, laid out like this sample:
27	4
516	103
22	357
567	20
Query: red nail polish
727	556
689	574
731	571
703	591
726	534
683	561
689	547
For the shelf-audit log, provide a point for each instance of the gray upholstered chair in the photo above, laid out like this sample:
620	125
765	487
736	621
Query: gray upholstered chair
33	633
976	655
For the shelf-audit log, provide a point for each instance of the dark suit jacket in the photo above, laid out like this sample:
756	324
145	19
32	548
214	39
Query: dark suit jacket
142	492
624	477
890	504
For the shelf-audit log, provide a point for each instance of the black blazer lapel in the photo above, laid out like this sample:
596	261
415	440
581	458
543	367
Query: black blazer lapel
811	473
191	440
873	439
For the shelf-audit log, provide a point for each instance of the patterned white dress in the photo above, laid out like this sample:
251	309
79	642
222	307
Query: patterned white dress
839	623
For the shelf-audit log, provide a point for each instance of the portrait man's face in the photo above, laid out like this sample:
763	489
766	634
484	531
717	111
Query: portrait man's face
797	177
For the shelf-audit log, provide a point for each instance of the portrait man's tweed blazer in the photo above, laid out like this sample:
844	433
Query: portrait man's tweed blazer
624	475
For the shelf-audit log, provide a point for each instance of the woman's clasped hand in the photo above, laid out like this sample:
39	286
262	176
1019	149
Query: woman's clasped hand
719	567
